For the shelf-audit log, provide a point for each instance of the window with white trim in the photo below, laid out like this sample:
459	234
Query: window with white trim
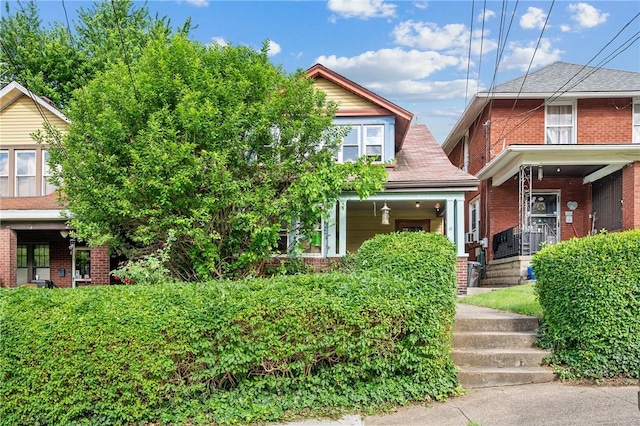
474	218
560	122
636	121
465	153
47	186
4	174
363	139
25	173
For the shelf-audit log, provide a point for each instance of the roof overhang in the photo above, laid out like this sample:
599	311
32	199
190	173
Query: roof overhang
465	186
595	161
9	215
14	90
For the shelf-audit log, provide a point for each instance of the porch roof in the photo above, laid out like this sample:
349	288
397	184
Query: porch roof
421	163
591	162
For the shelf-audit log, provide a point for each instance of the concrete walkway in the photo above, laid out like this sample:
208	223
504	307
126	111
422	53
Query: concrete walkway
544	404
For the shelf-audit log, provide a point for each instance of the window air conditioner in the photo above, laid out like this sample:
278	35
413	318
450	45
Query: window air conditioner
469	238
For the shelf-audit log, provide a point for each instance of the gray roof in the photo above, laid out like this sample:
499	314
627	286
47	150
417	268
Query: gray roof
563	77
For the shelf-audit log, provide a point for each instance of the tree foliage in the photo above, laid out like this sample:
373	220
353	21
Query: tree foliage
212	143
53	59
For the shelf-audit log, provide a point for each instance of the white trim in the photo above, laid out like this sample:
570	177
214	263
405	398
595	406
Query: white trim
574	120
18	87
32	214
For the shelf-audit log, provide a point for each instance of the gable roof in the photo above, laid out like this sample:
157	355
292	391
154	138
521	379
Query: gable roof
422	163
14	90
557	80
403	117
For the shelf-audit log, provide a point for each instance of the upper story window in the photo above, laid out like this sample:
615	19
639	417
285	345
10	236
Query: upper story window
4	173
560	119
25	173
636	121
474	218
365	139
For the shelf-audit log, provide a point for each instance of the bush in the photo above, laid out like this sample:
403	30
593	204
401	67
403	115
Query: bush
226	352
589	289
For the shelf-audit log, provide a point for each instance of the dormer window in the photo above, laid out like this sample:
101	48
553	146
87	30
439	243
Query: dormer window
365	139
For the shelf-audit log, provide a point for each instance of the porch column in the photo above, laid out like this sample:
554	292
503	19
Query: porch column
332	233
8	258
455	222
342	211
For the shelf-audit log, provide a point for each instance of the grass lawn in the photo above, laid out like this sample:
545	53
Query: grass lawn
519	299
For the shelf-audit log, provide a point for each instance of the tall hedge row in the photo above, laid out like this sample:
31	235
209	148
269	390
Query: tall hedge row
226	352
589	289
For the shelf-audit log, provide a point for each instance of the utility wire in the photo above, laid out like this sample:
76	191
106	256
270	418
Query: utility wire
466	89
124	51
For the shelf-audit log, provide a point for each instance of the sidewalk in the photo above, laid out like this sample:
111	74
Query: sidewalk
545	404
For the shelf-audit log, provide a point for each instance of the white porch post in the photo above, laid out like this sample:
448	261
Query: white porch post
455	222
332	249
343	227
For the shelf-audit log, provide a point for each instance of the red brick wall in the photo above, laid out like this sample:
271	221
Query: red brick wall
461	274
519	124
100	265
8	259
60	258
631	196
605	121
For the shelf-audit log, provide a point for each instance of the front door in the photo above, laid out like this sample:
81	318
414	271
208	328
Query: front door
32	261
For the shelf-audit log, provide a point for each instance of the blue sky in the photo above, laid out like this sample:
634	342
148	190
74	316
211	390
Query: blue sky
414	53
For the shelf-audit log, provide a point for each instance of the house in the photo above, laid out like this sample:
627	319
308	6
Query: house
35	246
424	190
557	153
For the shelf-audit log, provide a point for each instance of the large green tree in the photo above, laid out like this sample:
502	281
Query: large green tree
55	58
213	144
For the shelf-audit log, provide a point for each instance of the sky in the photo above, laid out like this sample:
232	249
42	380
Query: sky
429	57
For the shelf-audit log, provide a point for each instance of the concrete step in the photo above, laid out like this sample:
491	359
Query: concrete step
472	377
493	340
516	323
500	358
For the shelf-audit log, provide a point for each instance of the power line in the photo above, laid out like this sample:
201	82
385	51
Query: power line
124	51
466	89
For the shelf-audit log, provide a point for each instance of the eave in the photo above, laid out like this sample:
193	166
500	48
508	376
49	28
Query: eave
600	160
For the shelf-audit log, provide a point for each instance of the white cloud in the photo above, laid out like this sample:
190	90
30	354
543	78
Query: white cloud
400	74
421	4
362	9
565	28
586	15
534	18
520	56
219	41
198	3
274	48
451	38
488	14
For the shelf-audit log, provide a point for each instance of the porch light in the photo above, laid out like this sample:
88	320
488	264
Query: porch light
540	173
417	204
385	214
64	233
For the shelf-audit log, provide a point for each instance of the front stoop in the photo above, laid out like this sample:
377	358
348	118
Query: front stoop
494	348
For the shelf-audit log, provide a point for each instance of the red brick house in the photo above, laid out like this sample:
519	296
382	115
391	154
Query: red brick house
557	153
35	245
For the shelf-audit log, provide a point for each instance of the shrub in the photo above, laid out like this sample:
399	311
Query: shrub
589	289
226	352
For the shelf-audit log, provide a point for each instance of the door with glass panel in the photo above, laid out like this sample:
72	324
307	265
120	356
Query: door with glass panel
32	263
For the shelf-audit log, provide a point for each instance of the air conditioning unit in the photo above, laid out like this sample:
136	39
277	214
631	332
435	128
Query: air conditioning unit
469	238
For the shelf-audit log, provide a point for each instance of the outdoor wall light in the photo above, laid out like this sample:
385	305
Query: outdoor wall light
385	214
64	233
417	204
540	173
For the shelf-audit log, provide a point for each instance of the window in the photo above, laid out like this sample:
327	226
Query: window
295	241
4	173
465	153
474	218
350	150
363	140
636	122
47	187
374	142
25	173
560	124
311	244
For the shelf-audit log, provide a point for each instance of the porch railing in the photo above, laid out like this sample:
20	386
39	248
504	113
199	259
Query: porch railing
516	242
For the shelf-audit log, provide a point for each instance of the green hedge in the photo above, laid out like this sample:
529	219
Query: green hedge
224	352
589	290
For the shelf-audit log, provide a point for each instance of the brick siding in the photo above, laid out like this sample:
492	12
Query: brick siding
8	258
